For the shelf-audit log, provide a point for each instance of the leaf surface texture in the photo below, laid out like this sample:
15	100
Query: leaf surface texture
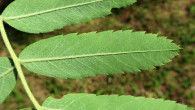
40	16
112	102
90	54
7	78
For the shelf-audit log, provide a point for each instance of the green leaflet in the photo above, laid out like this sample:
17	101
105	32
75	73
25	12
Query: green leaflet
39	16
7	78
112	102
90	54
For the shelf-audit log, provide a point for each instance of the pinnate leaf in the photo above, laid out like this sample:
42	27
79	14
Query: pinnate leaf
112	102
90	54
39	16
7	77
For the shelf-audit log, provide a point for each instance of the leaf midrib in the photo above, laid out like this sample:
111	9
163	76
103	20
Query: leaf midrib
47	11
90	55
6	72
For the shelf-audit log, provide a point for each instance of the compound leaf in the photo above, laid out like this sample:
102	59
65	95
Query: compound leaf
40	16
7	77
112	102
90	54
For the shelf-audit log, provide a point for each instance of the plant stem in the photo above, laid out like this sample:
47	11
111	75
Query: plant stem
17	65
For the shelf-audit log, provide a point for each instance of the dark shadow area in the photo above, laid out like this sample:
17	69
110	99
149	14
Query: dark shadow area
15	71
4	4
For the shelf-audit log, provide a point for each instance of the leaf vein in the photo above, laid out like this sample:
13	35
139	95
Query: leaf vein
89	55
6	72
47	11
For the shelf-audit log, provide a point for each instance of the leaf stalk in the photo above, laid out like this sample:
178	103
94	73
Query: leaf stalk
18	65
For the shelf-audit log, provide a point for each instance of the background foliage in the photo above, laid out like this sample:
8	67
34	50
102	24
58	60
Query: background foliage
174	81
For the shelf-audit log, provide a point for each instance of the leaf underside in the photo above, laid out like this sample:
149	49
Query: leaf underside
112	102
90	54
7	78
40	16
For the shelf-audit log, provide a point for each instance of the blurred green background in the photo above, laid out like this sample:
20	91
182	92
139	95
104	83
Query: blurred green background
174	81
